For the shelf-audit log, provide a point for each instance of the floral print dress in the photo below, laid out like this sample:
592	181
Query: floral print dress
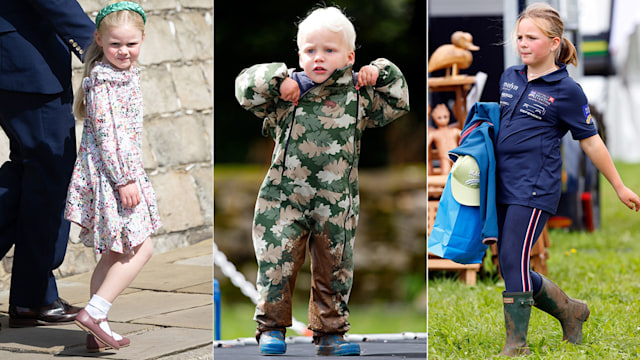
110	155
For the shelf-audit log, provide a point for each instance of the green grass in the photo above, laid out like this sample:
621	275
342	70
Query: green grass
365	319
240	171
601	268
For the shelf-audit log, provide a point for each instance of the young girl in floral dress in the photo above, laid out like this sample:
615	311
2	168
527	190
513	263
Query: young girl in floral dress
110	195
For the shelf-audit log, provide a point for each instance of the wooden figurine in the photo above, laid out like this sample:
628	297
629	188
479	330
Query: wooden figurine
454	56
444	137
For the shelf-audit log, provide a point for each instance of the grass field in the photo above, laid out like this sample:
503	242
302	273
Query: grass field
602	268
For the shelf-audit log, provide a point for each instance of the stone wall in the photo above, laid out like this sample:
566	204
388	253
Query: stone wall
177	84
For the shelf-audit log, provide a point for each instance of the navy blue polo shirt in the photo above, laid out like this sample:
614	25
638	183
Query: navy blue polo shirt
534	116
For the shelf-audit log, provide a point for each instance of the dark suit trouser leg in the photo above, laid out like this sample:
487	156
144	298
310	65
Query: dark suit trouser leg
33	189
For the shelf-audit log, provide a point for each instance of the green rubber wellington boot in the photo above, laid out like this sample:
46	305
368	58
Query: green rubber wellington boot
517	311
570	312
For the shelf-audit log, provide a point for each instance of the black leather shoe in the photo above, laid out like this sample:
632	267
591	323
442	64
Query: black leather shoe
59	312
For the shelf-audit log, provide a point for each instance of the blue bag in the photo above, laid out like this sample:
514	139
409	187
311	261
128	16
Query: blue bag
457	230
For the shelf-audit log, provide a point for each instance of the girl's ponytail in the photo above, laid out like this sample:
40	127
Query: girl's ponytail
567	53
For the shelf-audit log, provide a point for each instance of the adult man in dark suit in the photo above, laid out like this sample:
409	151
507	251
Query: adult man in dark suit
36	41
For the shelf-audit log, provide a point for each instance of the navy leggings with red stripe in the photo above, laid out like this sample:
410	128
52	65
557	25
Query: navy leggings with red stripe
519	228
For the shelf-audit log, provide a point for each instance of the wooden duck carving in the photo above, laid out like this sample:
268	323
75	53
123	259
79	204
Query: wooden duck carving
454	56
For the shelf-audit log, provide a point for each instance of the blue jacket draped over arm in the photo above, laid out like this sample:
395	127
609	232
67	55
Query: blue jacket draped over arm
478	137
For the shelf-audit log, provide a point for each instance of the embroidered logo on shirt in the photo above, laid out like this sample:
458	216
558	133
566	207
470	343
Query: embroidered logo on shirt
587	114
535	108
541	97
509	86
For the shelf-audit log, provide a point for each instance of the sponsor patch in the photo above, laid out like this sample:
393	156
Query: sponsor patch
533	115
535	108
587	114
509	86
542	98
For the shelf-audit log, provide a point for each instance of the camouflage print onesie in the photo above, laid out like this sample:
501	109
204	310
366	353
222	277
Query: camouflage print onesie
310	193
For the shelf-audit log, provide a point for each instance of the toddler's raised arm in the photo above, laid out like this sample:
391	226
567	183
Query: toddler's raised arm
259	85
388	97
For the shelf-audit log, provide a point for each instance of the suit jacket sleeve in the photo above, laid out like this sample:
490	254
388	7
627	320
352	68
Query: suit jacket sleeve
70	21
36	41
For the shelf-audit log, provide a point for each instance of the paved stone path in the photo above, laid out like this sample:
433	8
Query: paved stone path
166	312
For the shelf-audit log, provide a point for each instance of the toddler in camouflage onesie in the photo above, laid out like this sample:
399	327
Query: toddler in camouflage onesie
310	194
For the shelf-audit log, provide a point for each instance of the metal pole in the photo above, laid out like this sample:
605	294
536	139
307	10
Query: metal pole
216	302
510	15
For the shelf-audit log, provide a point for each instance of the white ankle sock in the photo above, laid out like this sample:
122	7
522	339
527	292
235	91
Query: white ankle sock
98	308
105	327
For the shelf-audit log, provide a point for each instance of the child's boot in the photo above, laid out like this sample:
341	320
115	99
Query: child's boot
517	311
334	344
570	312
272	342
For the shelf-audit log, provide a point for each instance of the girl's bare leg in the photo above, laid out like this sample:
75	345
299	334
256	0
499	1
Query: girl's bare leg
114	271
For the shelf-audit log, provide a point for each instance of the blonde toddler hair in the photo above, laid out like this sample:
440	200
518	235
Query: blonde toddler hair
330	18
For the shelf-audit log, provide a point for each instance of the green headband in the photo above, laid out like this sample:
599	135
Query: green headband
120	6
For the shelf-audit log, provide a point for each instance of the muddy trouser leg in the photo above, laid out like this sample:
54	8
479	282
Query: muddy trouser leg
331	249
279	244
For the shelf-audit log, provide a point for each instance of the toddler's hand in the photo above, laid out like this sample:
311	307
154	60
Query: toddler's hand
368	75
289	90
129	195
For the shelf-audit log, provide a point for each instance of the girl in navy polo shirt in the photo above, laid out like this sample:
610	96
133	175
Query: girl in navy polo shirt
539	103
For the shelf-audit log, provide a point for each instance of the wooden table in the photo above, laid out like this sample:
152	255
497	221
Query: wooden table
435	185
